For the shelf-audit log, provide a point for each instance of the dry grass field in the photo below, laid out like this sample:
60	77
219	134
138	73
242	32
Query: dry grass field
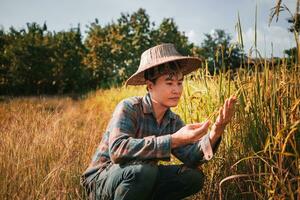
47	142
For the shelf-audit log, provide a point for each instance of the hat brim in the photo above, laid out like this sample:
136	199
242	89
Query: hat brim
187	65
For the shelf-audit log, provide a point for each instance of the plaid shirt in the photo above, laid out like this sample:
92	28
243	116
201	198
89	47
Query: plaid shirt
133	135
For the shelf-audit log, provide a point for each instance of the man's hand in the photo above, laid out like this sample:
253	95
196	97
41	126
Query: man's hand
189	134
226	112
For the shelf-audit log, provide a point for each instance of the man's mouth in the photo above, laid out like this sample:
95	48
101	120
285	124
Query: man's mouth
175	98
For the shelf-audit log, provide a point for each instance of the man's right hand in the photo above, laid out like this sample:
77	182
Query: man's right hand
189	134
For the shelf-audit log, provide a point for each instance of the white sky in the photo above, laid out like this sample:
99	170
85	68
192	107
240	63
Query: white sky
194	17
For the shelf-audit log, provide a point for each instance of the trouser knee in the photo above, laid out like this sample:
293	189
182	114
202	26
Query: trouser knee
143	175
196	180
138	182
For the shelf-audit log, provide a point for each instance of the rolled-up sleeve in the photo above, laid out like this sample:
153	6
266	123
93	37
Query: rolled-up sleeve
123	144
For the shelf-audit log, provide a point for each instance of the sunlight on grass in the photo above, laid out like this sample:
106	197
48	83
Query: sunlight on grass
47	142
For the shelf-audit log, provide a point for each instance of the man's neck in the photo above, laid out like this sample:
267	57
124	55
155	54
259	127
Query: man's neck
159	110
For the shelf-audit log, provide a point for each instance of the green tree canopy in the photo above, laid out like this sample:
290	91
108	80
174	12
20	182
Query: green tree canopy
114	50
219	51
36	61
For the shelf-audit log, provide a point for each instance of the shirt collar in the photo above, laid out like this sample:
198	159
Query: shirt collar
147	107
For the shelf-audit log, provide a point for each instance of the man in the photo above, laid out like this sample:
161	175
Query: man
143	130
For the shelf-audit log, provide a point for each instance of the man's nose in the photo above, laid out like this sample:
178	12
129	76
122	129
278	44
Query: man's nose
176	89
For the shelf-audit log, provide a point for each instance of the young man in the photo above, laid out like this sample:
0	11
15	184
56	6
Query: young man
143	130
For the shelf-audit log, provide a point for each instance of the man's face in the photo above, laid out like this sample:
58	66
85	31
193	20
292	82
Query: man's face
167	89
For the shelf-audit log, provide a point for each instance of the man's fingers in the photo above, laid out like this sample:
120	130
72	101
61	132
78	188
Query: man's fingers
225	109
198	125
232	104
221	113
203	128
195	125
233	98
201	125
227	103
232	101
206	124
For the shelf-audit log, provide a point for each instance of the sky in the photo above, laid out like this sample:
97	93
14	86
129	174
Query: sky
193	17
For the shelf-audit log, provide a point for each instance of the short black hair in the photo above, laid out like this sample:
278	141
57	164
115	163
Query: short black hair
153	73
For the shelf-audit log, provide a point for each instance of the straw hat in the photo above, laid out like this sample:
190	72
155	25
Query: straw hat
161	54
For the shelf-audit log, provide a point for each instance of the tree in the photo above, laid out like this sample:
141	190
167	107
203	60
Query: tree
29	64
36	61
114	50
68	73
168	32
219	52
102	50
4	62
137	37
291	56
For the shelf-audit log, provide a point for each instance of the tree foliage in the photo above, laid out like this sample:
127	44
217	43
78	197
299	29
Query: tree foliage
36	61
219	51
114	50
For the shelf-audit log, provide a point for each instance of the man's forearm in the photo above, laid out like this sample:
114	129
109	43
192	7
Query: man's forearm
215	133
176	142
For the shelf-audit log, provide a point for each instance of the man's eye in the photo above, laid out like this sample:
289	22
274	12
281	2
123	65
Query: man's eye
169	83
179	83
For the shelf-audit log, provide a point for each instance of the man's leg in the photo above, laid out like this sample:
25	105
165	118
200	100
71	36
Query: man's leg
175	182
124	182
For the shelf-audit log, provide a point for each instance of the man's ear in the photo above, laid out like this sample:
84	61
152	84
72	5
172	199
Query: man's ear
149	85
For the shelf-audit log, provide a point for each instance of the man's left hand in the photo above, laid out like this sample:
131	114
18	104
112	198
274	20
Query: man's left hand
226	112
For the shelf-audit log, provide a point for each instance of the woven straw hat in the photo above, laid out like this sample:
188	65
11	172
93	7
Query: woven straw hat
161	54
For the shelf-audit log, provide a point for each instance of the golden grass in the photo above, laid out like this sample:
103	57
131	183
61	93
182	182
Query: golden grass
47	142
